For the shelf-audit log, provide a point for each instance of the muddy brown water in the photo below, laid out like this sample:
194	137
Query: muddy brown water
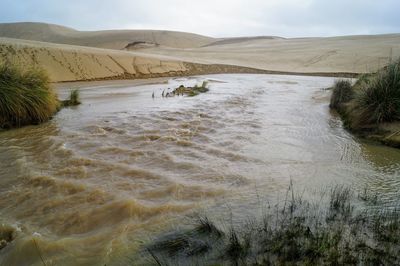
100	179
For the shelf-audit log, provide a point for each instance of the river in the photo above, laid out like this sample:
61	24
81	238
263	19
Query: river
100	179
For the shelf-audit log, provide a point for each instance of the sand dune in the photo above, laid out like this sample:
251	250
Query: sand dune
111	39
77	63
141	54
356	54
233	40
68	63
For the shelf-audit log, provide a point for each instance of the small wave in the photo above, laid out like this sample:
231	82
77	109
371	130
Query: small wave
184	143
110	215
114	130
57	185
183	192
141	174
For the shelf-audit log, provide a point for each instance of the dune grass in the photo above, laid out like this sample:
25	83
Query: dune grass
26	97
342	93
330	232
379	100
372	100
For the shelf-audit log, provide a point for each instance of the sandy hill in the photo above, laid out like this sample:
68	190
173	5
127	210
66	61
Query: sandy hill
69	55
111	39
72	63
356	54
69	63
236	40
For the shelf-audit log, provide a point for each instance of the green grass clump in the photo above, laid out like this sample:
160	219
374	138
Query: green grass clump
25	97
374	99
297	232
74	99
342	93
379	100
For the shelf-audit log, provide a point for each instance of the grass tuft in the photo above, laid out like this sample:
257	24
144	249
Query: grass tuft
342	93
207	227
310	234
379	99
374	99
74	99
25	97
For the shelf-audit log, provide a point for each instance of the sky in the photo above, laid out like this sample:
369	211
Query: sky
216	18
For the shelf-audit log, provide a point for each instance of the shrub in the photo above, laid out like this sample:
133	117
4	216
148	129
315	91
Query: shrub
342	93
379	100
25	97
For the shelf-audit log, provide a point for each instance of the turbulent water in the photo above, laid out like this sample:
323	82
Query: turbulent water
91	185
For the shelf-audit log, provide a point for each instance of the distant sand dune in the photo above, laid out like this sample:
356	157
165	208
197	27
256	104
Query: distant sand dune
357	54
240	39
110	39
145	53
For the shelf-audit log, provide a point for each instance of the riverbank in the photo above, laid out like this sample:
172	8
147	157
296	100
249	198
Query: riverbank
370	107
27	98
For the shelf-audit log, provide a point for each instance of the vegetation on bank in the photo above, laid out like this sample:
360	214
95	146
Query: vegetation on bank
27	98
297	232
373	101
342	94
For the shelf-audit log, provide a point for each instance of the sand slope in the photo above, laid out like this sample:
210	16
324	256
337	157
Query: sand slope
111	39
356	54
181	53
68	63
77	63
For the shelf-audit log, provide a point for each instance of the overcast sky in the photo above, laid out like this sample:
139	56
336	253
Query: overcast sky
218	18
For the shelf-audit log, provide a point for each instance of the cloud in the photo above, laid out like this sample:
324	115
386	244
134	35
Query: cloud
288	18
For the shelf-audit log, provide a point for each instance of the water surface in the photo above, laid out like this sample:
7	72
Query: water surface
101	178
